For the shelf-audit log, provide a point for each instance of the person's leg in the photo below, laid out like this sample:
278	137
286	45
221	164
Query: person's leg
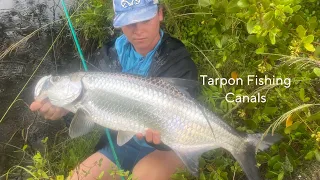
128	155
158	165
91	168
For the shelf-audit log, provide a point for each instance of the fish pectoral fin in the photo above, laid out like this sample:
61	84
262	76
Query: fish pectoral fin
81	124
124	136
190	159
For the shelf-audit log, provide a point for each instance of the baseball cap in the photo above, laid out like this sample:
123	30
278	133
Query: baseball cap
133	11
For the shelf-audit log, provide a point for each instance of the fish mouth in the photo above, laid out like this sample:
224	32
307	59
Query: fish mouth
42	85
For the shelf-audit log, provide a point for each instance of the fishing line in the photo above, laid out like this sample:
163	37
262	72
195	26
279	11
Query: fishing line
86	69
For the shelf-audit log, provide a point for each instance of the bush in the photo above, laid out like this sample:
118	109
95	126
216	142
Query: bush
237	38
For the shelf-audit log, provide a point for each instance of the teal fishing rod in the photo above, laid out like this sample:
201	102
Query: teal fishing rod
86	69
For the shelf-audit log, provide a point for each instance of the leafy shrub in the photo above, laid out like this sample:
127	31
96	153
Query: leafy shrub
94	21
237	38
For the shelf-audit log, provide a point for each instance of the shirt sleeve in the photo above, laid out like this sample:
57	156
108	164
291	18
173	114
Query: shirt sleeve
184	69
104	59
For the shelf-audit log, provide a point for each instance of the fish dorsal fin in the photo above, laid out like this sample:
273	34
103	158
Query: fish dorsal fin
124	136
184	85
190	158
81	124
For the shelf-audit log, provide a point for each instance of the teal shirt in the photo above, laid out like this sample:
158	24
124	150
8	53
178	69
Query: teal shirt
131	61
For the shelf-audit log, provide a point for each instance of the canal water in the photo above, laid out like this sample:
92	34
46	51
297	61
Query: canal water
19	18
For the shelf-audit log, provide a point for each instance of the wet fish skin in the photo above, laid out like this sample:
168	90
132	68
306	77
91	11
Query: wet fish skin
130	104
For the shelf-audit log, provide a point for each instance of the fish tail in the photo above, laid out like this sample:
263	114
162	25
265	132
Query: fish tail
245	153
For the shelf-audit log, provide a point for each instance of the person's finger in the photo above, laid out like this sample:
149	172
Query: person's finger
156	137
64	112
50	112
148	135
139	135
35	106
45	107
58	113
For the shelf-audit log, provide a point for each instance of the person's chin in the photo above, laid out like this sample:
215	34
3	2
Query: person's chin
141	45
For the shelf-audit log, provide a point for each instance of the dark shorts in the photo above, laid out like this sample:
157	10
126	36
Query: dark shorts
128	155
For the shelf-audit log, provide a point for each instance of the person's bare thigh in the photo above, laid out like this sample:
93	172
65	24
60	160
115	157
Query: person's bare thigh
93	166
158	165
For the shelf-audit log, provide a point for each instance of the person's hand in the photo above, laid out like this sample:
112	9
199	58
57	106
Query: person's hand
47	110
151	136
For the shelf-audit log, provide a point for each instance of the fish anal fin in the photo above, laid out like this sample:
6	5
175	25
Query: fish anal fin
190	159
81	124
124	136
247	161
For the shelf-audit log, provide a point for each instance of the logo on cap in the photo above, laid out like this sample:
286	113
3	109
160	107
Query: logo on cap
125	3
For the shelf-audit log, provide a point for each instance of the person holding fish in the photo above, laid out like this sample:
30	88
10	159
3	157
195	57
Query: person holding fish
143	49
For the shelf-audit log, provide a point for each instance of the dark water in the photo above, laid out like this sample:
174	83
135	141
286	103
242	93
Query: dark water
19	18
50	8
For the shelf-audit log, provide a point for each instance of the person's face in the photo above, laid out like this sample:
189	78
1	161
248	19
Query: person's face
144	34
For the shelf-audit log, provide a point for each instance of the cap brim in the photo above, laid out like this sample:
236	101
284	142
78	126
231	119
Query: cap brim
135	16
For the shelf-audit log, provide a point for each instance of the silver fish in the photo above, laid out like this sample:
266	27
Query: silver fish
129	104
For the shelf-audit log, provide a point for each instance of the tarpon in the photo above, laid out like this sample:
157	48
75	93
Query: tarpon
129	104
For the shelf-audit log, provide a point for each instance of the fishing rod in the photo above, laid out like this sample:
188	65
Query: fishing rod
86	69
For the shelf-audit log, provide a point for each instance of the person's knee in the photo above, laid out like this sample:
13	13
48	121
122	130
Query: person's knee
150	173
157	166
153	173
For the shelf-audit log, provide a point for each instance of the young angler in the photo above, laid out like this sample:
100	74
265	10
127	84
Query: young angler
143	49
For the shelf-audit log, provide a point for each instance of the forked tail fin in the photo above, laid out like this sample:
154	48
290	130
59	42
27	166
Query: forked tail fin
245	154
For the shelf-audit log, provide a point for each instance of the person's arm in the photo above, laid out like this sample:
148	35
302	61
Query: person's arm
184	69
104	59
